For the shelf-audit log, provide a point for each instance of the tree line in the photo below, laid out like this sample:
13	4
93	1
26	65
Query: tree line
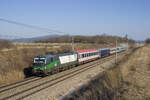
99	39
148	41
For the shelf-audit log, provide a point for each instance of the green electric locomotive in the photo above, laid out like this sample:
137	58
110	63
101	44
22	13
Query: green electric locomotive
49	64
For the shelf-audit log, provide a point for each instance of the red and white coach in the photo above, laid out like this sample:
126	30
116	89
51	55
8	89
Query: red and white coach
87	55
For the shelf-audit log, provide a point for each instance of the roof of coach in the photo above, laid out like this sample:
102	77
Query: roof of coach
104	49
67	53
87	50
113	47
121	47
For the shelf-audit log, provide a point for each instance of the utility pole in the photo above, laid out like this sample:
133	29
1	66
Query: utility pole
127	42
72	43
116	57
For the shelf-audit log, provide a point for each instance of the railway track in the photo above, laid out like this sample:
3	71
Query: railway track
19	83
28	87
16	82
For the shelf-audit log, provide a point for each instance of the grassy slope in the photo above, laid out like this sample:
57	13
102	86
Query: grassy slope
111	85
137	76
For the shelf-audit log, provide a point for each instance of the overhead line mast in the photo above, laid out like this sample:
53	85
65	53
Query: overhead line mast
73	43
116	57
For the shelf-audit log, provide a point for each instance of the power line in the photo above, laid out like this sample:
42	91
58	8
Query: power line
35	27
31	26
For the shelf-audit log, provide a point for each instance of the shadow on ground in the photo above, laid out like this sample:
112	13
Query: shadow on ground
28	72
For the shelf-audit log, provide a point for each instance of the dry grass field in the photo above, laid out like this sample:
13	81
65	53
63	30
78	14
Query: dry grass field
136	76
14	63
128	80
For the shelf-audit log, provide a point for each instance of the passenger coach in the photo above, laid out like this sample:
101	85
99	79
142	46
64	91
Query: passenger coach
87	55
113	50
104	52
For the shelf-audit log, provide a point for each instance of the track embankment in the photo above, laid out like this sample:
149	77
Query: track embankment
107	85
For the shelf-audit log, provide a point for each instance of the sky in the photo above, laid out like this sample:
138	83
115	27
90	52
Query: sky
76	17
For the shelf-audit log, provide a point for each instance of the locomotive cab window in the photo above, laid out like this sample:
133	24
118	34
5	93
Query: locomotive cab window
39	61
52	59
48	61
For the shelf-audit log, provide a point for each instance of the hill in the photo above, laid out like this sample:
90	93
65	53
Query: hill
34	38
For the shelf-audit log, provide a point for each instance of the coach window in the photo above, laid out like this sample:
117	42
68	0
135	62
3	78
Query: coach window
82	55
79	56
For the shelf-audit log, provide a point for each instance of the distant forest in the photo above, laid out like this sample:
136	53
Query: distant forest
99	39
148	41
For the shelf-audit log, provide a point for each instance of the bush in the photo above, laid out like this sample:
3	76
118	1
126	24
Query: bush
5	44
148	41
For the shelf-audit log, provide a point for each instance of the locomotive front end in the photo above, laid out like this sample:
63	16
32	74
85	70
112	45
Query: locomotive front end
39	65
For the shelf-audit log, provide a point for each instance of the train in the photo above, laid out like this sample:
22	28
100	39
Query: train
44	65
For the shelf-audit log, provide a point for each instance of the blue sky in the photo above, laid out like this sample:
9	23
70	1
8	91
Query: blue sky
80	17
